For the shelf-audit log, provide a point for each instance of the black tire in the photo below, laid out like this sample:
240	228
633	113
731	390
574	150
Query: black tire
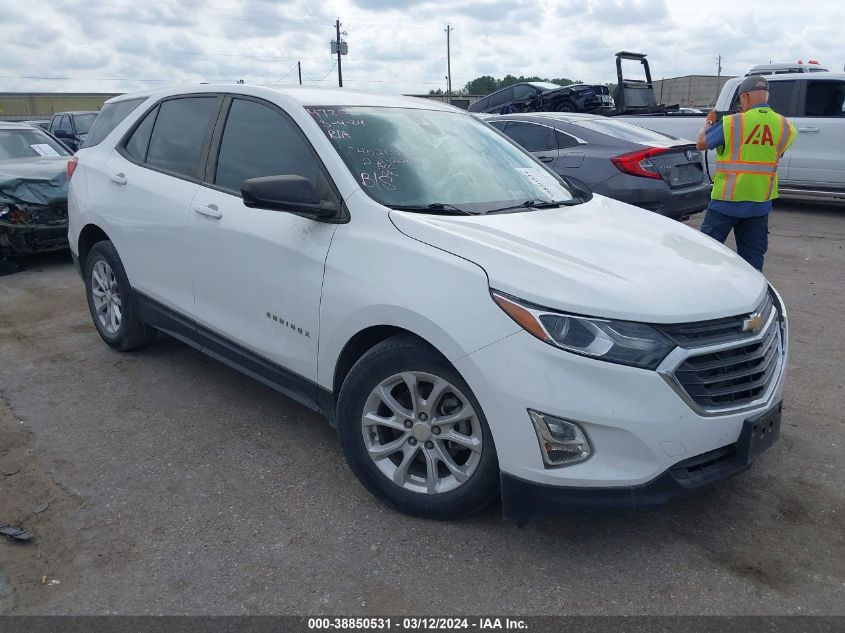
405	353
132	332
565	106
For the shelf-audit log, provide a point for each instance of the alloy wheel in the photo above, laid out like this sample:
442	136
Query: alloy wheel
106	296
422	433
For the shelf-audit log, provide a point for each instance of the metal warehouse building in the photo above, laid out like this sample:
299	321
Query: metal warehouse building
41	105
697	91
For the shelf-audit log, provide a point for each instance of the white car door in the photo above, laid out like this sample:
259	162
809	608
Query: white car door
258	273
817	157
145	191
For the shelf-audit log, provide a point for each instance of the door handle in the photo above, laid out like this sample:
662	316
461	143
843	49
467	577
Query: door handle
808	129
546	159
208	210
118	179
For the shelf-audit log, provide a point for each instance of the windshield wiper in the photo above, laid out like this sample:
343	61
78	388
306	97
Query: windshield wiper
434	207
536	203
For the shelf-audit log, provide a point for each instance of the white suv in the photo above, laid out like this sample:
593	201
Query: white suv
473	324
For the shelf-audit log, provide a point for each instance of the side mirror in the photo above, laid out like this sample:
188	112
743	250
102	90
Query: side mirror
62	134
290	193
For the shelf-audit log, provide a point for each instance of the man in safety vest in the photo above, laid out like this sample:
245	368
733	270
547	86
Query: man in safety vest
748	147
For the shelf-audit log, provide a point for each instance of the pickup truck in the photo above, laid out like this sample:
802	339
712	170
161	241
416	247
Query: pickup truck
815	165
72	127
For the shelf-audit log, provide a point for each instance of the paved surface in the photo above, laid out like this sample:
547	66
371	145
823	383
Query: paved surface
176	485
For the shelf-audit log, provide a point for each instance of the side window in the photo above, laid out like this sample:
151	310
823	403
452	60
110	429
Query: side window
136	146
499	125
176	141
523	92
260	141
825	99
534	138
564	140
109	118
780	97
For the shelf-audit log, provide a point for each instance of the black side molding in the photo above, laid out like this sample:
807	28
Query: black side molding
185	329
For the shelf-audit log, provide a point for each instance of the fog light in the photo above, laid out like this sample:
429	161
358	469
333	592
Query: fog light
562	443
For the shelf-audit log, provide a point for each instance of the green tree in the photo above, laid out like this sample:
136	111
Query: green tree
482	85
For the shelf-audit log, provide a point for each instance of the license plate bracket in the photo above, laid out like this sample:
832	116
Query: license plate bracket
759	433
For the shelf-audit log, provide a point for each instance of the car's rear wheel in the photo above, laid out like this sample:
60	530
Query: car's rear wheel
111	301
414	434
565	106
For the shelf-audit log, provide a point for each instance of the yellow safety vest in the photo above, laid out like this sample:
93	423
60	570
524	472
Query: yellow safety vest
747	164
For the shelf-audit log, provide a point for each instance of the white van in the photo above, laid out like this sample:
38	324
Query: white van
474	325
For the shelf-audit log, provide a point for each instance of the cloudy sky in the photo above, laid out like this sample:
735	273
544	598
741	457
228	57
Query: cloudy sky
395	45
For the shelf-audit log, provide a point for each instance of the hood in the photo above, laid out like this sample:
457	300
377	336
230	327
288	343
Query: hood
41	180
602	258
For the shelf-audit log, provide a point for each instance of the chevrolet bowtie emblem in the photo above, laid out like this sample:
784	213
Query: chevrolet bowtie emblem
754	323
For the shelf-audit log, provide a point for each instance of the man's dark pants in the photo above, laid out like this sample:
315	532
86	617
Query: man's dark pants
752	234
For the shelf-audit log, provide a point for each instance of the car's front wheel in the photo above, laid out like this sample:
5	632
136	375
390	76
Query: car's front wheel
414	434
111	300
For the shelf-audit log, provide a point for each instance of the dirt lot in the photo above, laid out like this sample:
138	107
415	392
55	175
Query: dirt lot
177	486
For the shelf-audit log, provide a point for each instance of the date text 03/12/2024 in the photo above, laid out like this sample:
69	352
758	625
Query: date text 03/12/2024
417	623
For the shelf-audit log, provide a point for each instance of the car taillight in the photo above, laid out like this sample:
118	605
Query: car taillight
71	166
638	163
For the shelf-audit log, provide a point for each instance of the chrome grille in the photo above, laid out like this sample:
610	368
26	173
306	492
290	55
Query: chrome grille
716	331
733	377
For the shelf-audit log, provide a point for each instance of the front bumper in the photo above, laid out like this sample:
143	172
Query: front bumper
27	239
641	429
523	500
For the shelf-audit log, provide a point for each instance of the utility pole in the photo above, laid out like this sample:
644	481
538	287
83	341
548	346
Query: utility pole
718	78
448	65
339	71
299	66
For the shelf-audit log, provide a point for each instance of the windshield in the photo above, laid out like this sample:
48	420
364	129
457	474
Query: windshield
83	122
404	157
29	143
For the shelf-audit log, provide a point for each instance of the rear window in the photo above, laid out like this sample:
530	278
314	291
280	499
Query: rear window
622	130
83	122
479	105
109	118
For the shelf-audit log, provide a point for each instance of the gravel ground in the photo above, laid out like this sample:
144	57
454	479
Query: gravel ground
178	486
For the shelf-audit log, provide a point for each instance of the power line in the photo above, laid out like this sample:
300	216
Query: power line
290	70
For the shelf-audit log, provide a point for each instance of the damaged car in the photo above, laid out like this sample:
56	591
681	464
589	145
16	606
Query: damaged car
33	191
540	96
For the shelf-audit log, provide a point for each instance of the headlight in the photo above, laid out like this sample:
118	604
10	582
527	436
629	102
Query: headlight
622	342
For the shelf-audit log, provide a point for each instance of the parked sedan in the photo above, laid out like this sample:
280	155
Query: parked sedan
33	191
615	159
